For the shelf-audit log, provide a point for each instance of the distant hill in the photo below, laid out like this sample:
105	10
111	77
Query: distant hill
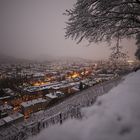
4	58
10	59
40	59
45	58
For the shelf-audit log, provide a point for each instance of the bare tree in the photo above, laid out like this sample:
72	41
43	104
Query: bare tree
103	20
118	56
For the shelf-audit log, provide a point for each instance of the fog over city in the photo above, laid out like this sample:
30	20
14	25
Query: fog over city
35	28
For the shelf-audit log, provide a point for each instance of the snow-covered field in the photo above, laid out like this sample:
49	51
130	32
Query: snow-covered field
114	116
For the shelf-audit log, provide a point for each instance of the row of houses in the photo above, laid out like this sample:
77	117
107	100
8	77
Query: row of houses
13	118
33	106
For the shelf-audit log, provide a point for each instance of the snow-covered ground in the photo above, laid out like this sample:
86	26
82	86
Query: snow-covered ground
114	116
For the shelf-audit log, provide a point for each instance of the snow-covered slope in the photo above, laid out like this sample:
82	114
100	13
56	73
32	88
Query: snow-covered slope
115	116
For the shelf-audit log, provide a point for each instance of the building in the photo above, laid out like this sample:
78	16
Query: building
33	106
53	97
5	110
13	118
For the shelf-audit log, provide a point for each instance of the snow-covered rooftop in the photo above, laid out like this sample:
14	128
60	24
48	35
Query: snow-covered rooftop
51	95
8	119
33	102
5	107
16	116
9	91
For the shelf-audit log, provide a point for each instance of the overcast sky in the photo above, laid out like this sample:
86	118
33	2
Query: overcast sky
34	28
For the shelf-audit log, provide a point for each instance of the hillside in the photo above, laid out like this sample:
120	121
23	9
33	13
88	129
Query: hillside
114	116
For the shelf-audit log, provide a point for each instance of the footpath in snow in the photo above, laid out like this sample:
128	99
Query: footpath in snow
114	116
